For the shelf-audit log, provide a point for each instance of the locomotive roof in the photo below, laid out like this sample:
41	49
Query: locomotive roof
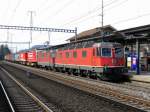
107	44
52	47
85	44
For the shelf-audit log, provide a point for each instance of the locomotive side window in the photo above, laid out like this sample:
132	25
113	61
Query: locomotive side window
59	55
84	54
118	52
106	52
75	54
47	54
42	54
68	55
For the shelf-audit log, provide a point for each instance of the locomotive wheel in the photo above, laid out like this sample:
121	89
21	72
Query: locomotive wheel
69	71
74	72
83	73
93	75
104	78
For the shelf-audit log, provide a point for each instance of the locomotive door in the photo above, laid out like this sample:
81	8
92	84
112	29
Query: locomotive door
53	55
114	60
93	57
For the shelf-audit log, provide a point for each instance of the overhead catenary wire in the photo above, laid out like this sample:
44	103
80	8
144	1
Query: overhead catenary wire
46	9
68	3
42	4
84	19
132	18
6	11
116	5
96	9
14	11
118	22
110	3
50	6
76	19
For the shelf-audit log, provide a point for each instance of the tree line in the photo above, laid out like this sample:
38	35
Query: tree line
4	50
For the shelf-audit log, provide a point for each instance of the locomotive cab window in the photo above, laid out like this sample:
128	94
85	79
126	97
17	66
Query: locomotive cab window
106	52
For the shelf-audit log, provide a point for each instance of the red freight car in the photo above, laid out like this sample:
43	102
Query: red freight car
23	57
32	57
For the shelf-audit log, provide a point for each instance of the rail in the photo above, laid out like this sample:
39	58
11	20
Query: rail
40	103
8	100
100	90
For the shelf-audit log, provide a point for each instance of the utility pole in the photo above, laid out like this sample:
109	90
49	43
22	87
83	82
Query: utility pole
102	13
49	36
7	36
102	20
31	25
11	39
76	34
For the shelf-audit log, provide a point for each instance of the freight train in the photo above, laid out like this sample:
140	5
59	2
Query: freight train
103	60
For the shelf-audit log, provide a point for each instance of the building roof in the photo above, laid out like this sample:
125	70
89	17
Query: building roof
136	29
93	32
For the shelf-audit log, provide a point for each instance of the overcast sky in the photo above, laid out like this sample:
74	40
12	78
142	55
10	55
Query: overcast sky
83	14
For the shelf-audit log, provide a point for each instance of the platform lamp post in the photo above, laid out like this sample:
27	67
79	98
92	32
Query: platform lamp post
49	37
126	52
138	57
76	35
102	21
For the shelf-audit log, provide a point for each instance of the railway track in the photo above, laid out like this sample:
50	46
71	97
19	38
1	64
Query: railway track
94	88
140	89
5	104
22	99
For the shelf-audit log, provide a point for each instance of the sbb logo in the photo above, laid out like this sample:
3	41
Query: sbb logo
30	55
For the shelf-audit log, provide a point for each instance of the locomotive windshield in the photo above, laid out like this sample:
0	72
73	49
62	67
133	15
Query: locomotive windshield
118	52
106	52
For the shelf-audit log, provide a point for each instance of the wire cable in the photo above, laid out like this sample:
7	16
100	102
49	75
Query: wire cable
115	6
14	11
131	19
96	9
49	6
59	10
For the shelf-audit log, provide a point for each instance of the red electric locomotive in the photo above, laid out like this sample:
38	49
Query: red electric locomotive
104	59
44	58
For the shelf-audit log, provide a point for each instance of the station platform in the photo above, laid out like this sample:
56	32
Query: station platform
143	77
